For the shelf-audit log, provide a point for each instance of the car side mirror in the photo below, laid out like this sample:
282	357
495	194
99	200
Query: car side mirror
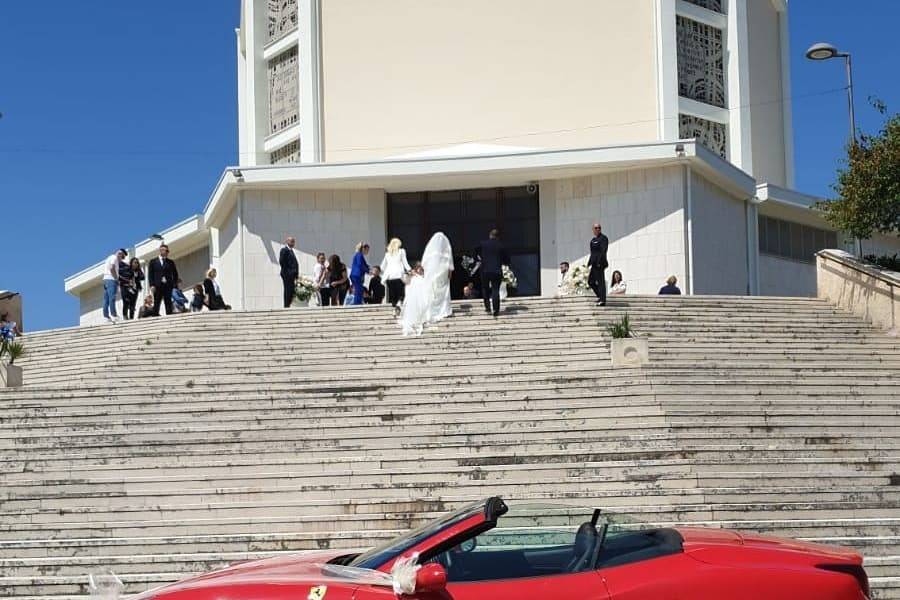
431	577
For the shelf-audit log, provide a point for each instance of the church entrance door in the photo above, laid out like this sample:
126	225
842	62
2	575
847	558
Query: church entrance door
466	217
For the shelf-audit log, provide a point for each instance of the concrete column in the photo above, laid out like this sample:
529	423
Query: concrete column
549	256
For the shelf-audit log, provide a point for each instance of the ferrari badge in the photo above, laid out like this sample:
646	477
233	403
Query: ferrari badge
317	593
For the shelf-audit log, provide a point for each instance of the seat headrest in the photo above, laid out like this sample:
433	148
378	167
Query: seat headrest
585	538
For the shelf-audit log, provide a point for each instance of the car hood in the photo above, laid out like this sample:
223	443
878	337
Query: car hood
721	546
296	572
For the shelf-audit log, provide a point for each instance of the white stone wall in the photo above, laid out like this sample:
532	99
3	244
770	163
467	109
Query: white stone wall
90	306
330	221
579	73
785	277
766	96
228	263
719	227
641	212
192	267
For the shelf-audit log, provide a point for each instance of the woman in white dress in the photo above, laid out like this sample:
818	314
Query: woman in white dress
428	296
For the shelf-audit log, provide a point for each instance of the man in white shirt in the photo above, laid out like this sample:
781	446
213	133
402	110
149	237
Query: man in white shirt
111	284
320	279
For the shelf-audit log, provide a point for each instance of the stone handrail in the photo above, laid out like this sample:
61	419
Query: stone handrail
863	289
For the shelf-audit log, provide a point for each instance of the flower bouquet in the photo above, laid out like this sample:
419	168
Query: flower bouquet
509	278
575	282
304	289
507	281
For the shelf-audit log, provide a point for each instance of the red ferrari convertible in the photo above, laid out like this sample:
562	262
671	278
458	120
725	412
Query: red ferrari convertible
487	552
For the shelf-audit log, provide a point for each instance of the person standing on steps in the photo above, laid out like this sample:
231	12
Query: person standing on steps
290	270
359	268
598	264
493	257
162	274
394	267
111	284
320	279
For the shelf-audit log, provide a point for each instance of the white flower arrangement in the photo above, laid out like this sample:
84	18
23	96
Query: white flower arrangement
509	278
304	289
575	282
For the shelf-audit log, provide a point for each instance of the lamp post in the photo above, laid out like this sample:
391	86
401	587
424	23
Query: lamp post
825	51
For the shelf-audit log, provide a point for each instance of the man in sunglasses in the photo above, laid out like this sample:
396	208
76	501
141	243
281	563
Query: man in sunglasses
598	264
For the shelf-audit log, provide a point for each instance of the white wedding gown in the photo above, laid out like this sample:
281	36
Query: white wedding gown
428	297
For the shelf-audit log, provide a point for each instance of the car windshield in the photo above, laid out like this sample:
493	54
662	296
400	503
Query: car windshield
379	555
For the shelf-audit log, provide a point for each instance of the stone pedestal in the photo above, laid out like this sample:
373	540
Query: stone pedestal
629	352
10	376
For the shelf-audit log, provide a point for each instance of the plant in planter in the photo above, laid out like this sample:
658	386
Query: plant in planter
626	349
11	351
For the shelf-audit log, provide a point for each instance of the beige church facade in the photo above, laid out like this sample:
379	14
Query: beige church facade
359	120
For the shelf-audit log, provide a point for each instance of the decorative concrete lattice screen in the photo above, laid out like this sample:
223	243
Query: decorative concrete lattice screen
282	17
701	69
284	91
286	154
715	5
711	134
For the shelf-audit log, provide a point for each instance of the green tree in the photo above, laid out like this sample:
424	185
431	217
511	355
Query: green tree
868	184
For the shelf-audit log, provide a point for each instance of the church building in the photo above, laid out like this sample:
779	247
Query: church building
667	121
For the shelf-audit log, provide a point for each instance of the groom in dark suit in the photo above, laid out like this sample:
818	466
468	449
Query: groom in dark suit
493	257
162	275
290	270
598	264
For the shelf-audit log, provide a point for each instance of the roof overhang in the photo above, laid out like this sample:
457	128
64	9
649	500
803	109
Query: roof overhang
182	238
465	172
767	192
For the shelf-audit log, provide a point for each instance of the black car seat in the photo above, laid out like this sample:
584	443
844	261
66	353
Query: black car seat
586	540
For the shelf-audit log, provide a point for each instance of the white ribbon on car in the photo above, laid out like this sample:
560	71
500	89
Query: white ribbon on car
404	574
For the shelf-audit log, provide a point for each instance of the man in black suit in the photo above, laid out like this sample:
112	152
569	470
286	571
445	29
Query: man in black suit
290	270
598	264
493	257
162	275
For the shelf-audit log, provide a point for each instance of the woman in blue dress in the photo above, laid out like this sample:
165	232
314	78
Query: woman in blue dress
358	271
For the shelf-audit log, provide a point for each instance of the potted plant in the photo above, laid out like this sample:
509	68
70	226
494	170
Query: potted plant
626	349
10	374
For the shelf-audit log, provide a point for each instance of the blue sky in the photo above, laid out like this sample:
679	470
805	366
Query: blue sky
118	117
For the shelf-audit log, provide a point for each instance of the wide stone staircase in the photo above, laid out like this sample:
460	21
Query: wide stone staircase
165	447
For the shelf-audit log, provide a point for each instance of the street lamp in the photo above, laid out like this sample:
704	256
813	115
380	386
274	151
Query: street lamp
823	51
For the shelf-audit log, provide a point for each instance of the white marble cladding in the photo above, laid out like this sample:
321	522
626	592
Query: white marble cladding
90	306
785	277
719	226
641	212
330	221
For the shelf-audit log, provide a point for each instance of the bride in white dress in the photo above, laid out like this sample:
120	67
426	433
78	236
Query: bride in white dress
428	295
